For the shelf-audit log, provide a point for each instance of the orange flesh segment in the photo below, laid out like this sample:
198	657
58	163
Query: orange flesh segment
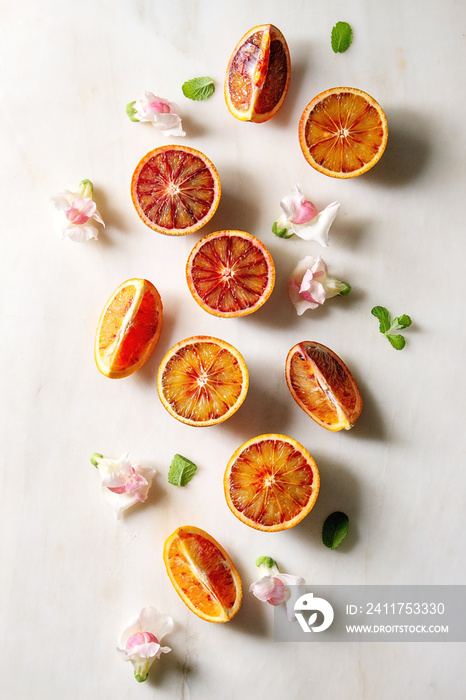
258	75
230	274
130	325
203	576
175	189
248	70
270	482
324	386
202	381
344	132
275	81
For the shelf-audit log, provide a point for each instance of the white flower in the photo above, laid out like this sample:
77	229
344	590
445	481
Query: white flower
160	112
274	587
310	284
300	217
75	212
123	483
140	640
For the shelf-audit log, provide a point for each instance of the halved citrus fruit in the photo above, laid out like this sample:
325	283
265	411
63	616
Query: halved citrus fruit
202	380
343	132
322	385
230	273
271	482
175	190
202	574
128	329
258	74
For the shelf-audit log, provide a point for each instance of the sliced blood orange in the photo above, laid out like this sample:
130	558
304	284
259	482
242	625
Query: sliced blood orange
258	74
175	190
230	273
202	380
343	132
128	329
271	482
322	385
203	574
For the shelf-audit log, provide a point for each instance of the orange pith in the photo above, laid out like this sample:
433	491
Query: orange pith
230	273
271	482
343	132
129	328
323	386
175	190
258	74
203	574
202	380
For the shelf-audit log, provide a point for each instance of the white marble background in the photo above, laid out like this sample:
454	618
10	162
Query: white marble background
70	574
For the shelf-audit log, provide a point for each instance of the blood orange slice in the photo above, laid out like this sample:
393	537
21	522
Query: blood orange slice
343	132
230	273
323	386
175	190
258	74
129	328
271	482
203	574
202	380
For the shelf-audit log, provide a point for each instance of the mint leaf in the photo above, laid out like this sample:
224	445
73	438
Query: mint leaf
397	341
198	88
130	111
335	529
381	313
342	36
281	232
401	322
181	471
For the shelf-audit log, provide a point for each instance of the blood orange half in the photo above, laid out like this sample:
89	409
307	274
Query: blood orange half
175	190
343	132
129	328
271	482
230	273
258	74
202	380
203	574
323	386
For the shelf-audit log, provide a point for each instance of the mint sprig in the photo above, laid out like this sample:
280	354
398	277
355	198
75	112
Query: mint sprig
388	327
198	88
335	529
342	36
181	471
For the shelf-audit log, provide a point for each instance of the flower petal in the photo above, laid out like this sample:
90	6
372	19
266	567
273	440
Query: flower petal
156	622
301	305
318	228
80	234
169	124
315	293
62	201
263	588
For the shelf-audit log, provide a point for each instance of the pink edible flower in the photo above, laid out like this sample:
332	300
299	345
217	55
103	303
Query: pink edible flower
300	218
159	112
273	587
310	284
123	482
75	213
140	640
